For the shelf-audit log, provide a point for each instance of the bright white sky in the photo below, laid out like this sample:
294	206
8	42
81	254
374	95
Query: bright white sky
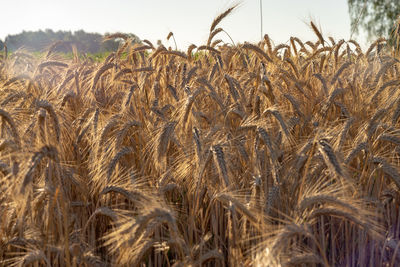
189	20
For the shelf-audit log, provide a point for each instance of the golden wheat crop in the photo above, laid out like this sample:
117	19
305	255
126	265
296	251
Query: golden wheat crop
230	155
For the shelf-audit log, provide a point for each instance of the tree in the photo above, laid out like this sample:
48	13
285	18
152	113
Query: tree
85	42
377	17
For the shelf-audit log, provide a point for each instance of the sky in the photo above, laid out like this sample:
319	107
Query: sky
189	20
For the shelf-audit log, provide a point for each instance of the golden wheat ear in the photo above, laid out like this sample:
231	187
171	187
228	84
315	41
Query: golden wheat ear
221	16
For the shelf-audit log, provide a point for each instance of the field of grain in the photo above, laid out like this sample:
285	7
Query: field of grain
229	155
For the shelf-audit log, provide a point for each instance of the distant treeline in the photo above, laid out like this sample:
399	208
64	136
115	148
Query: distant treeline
40	40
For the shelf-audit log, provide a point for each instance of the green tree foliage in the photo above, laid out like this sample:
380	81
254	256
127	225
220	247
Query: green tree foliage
377	17
84	42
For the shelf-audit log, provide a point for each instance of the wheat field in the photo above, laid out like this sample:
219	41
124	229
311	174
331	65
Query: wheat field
221	155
